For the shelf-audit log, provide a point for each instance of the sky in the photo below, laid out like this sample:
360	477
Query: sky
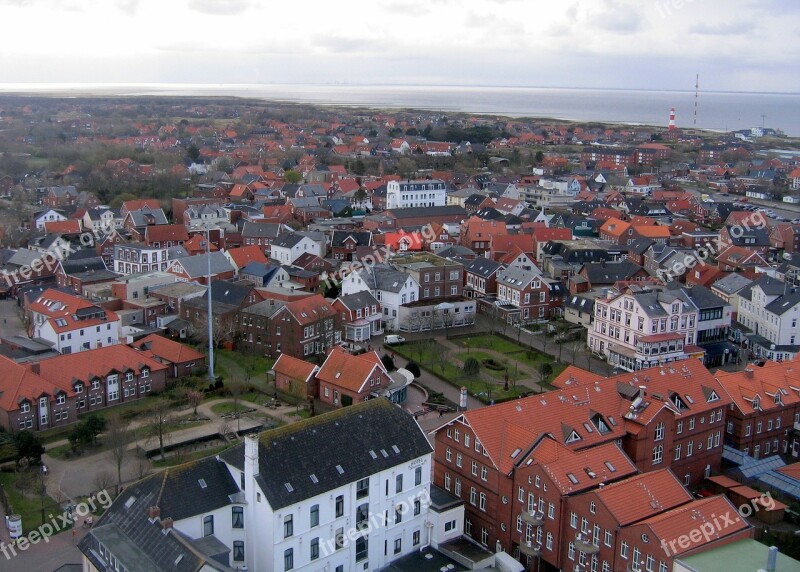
735	45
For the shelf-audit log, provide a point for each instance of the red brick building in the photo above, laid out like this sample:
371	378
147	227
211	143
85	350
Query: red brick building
296	376
765	405
665	418
345	379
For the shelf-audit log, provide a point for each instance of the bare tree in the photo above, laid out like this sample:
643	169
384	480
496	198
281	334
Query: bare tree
441	355
143	467
194	398
158	420
103	480
118	435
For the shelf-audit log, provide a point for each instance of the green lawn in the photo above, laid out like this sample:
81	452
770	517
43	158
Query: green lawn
29	505
229	407
181	458
450	370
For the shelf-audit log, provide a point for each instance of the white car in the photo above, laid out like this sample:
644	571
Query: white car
393	339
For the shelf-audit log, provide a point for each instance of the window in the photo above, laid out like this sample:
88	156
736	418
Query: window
314	516
208	525
24	407
658	453
482	504
362	515
474	468
607	538
659	433
573	520
691	423
288	559
398	545
623	550
339	506
679	428
447	481
314	548
418	476
362	488
398	483
237	517
415	538
417	507
678	452
473	495
458	459
238	551
362	548
288	526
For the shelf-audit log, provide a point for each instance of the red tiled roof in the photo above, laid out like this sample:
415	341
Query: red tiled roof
517	424
668	526
64	370
588	467
242	256
643	496
294	368
164	349
18	382
165	233
60	309
63	226
792	471
349	371
310	309
774	378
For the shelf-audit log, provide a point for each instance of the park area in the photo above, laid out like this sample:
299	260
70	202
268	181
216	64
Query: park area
492	368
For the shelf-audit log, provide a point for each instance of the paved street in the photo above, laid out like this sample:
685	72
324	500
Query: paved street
10	324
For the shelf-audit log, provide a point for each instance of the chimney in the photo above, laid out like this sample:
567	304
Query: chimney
166	523
35	367
250	456
153	512
772	558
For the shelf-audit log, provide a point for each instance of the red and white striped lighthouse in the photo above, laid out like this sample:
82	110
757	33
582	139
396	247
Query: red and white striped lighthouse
672	119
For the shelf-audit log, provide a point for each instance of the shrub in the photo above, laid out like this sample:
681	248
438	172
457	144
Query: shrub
413	367
471	367
388	362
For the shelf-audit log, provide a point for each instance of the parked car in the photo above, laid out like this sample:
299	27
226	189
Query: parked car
393	339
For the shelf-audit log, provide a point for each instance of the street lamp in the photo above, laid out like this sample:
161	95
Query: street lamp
42	473
211	375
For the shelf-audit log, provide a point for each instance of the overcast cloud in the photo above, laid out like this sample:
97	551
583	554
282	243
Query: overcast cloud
738	45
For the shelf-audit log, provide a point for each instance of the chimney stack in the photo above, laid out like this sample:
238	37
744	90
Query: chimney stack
153	512
166	523
772	559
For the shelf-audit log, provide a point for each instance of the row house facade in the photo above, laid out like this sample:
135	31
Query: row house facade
305	328
53	392
770	309
136	258
523	296
765	407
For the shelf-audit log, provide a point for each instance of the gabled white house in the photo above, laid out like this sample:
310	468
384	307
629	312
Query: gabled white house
289	247
50	215
392	288
72	324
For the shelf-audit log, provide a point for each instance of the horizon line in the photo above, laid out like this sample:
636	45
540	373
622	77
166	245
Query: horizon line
13	86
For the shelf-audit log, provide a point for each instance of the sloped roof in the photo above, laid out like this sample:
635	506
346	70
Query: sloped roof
643	496
372	436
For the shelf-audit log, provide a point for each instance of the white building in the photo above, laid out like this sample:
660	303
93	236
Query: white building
72	324
638	329
289	247
771	310
287	500
50	215
416	193
138	258
392	288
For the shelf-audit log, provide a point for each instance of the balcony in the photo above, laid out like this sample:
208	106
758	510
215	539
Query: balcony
584	544
533	518
531	549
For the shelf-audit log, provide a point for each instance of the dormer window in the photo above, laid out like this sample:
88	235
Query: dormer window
24	407
145	372
61	399
78	388
712	397
756	403
129	376
573	437
778	398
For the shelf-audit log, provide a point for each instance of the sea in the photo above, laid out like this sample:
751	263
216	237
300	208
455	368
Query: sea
712	110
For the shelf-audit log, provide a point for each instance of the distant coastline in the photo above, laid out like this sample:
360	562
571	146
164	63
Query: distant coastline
717	111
